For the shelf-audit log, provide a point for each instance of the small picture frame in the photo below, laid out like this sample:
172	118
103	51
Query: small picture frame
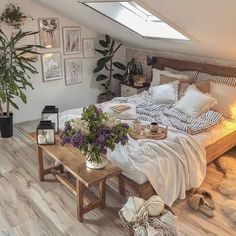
49	33
71	40
88	48
51	65
73	71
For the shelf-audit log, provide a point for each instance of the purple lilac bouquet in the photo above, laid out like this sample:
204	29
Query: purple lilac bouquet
94	133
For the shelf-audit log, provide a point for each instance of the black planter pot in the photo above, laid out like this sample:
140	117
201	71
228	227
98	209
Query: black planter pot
6	125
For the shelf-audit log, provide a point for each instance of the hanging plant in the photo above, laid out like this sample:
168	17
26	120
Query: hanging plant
13	16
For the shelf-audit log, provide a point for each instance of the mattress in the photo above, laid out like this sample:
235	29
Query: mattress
207	138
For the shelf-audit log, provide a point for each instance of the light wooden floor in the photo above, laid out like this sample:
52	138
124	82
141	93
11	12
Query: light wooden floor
28	207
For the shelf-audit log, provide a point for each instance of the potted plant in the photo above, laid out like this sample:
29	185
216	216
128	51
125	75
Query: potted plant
93	134
15	72
13	16
133	68
107	63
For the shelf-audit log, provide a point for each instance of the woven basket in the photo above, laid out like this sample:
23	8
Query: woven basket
128	226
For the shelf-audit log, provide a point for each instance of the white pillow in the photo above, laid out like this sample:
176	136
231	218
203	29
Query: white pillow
165	93
191	73
156	76
195	103
129	114
226	98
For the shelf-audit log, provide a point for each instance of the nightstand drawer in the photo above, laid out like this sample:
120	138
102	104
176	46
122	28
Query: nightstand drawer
127	91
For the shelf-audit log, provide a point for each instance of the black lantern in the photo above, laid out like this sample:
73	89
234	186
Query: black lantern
51	113
46	133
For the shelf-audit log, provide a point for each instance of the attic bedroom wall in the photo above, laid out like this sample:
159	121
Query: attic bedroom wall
55	92
141	56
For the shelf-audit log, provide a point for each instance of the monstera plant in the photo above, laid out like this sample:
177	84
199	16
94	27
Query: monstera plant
106	66
15	72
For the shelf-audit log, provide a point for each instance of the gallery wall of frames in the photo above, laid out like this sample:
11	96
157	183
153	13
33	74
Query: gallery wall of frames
72	44
65	66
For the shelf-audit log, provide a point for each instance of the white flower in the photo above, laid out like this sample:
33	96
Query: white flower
112	122
80	125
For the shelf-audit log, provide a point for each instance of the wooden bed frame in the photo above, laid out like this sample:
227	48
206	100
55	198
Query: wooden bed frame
126	186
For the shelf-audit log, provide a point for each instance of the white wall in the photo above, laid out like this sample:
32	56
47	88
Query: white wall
55	92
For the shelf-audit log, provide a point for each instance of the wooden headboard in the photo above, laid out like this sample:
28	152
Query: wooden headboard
160	63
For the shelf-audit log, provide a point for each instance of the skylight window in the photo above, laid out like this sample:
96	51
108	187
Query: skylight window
136	18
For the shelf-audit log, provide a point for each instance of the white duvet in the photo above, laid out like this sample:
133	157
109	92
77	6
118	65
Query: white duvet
172	166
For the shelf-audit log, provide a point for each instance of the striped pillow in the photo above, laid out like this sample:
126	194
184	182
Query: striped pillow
230	81
190	73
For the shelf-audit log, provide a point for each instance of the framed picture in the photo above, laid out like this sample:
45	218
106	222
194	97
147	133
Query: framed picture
73	71
88	48
71	40
51	63
49	33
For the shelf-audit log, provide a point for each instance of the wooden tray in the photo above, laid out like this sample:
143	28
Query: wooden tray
162	134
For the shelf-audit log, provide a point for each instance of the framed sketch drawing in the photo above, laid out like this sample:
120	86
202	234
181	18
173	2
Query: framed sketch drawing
49	33
88	48
71	40
73	71
51	63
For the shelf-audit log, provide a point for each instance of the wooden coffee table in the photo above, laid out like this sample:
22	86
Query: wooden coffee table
74	161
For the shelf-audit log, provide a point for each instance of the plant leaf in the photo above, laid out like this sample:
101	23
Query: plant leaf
118	77
97	69
108	39
103	43
14	105
119	65
101	77
102	61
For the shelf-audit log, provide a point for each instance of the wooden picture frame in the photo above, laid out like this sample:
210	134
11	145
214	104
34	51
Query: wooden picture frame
73	71
51	66
88	48
49	32
71	40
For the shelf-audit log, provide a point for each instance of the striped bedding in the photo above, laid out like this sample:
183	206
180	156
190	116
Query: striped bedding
168	116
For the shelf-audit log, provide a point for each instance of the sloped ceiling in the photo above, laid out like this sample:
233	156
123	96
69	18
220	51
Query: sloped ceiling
211	25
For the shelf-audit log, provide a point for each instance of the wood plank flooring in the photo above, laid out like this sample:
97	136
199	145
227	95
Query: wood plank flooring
31	208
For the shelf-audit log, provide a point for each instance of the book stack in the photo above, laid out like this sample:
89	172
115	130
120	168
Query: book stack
139	80
120	108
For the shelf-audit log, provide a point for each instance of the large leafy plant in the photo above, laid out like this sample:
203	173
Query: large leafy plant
106	63
15	69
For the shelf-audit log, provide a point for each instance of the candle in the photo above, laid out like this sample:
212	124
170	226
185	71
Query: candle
41	139
50	136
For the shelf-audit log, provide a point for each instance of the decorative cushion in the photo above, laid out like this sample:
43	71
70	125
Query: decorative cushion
156	76
185	81
195	103
189	73
165	93
203	86
226	98
230	81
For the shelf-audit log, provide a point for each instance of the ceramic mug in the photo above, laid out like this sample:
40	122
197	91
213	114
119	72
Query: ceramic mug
154	127
137	127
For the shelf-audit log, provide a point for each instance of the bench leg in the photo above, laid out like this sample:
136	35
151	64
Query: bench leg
40	162
102	193
80	198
